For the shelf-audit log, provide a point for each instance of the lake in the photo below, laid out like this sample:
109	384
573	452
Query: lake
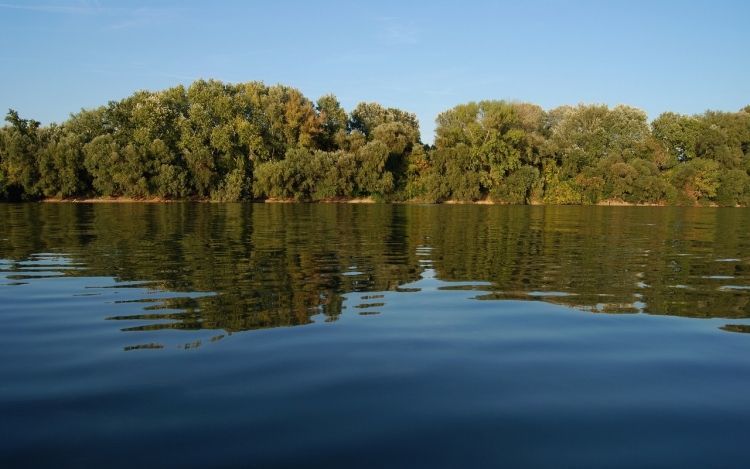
315	335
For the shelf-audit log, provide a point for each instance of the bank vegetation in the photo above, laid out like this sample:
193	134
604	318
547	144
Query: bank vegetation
249	141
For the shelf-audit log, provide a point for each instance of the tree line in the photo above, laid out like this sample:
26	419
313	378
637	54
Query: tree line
248	141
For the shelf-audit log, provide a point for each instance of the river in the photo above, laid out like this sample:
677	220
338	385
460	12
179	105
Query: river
338	335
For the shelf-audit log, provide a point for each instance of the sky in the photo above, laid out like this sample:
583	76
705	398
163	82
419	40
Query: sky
425	57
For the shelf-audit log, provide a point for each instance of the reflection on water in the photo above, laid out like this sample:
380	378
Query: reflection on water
260	266
743	328
436	336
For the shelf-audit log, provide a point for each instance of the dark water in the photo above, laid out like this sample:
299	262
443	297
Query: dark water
434	336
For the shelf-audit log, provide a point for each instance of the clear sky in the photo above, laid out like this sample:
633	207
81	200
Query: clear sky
420	56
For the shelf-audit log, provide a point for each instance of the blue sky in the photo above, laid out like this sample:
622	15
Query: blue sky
420	56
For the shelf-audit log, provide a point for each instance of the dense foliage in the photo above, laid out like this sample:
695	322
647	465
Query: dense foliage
234	142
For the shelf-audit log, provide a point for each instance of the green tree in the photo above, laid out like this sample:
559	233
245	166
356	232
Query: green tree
578	137
725	138
61	164
518	187
452	174
627	130
292	121
224	131
592	144
398	130
20	171
493	135
334	123
676	135
698	179
372	176
734	188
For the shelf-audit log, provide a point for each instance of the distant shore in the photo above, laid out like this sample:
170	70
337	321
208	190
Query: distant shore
339	200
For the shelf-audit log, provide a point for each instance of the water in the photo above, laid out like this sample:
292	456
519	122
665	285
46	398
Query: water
166	335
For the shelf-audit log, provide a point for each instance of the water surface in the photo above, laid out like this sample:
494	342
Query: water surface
434	336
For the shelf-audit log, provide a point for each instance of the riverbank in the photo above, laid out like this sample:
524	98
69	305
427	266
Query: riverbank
338	200
113	200
136	200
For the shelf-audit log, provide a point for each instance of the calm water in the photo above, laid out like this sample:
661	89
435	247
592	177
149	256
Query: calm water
203	335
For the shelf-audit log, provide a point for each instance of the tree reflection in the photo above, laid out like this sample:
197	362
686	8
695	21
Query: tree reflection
284	265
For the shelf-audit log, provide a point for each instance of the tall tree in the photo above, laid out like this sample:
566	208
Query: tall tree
497	141
334	123
19	174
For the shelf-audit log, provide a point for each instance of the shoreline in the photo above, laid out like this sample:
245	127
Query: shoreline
341	200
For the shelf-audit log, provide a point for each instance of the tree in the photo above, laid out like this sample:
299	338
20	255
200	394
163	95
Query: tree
725	138
291	119
224	131
372	176
592	144
334	123
734	188
452	174
698	178
517	188
627	130
20	171
61	164
493	136
676	135
397	130
367	116
534	121
579	137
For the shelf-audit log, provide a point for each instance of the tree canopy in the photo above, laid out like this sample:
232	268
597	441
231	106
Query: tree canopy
248	141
